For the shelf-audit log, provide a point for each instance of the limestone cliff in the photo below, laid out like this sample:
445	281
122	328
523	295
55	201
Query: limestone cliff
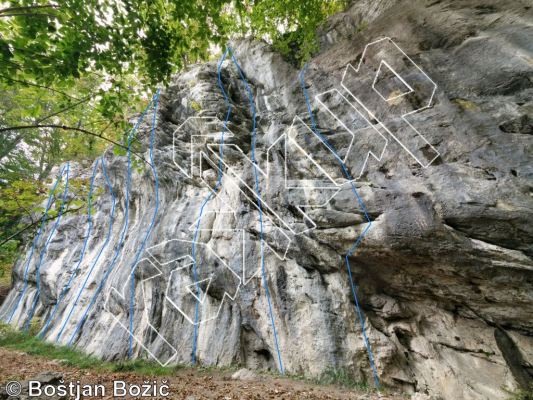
444	272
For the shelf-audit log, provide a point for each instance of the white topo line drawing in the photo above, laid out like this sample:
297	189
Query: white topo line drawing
378	89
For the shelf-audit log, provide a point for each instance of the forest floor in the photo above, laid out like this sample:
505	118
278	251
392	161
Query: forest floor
186	383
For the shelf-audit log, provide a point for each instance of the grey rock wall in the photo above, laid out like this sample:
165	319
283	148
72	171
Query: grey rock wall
444	275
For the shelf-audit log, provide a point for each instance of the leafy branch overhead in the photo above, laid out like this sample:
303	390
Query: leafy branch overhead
54	44
74	72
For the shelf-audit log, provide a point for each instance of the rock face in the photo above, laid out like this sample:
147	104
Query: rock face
444	273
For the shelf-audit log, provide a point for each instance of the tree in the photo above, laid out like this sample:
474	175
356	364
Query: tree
290	25
72	73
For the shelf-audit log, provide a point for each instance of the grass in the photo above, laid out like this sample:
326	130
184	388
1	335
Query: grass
216	368
144	367
362	26
196	106
520	394
28	343
32	345
330	377
465	104
342	377
5	275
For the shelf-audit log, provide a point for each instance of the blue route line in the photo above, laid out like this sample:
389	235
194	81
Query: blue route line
39	232
102	248
45	248
259	202
82	254
359	238
120	244
206	200
141	248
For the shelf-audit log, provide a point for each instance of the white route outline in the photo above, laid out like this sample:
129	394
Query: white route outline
403	116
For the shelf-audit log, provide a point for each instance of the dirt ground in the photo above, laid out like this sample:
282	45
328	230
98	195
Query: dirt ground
186	384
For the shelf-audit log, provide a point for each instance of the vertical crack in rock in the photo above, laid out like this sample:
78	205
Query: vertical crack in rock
513	357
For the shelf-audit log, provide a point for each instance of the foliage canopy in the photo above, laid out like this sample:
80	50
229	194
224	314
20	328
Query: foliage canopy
72	72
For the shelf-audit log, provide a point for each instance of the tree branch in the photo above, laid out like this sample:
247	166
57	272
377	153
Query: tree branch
28	15
70	128
28	212
63	110
21	231
106	127
14	142
11	9
39	86
11	146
